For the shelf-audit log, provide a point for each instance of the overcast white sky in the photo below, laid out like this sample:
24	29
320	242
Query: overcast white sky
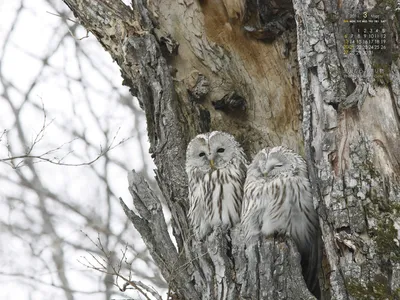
77	99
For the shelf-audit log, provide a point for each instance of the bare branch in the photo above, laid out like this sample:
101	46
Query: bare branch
39	281
56	161
63	17
116	270
39	212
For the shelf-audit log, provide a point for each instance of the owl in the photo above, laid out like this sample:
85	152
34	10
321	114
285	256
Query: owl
216	168
278	199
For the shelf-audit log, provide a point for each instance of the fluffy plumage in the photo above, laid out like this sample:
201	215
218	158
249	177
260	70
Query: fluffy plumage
216	169
278	199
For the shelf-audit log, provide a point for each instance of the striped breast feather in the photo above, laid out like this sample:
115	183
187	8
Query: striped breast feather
253	207
226	195
266	206
197	206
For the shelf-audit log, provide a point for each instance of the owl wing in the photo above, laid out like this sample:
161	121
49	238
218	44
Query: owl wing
265	206
198	209
254	206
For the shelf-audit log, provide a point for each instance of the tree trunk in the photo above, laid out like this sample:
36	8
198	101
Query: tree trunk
352	140
238	66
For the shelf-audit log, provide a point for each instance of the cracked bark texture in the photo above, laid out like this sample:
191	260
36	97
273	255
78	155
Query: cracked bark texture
182	57
352	141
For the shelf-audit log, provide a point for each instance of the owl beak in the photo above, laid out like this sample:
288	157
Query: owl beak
264	172
212	164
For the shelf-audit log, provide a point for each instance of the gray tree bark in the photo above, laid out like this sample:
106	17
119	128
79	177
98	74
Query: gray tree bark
352	140
197	66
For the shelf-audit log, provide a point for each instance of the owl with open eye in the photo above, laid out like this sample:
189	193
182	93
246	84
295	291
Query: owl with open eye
216	169
278	199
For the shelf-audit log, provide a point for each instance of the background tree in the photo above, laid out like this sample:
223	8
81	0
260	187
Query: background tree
201	65
61	101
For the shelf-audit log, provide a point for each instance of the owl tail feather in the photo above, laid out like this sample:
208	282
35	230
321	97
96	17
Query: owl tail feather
310	264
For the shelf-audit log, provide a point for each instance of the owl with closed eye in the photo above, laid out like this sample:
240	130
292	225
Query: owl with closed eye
216	169
278	199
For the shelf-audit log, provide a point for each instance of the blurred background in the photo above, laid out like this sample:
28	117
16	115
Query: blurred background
69	132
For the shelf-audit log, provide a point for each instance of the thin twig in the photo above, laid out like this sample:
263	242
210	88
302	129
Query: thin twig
62	17
103	262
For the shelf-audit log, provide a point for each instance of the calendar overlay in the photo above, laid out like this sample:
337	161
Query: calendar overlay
369	33
369	39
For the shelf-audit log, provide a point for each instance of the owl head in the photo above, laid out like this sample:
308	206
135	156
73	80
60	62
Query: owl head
211	151
278	162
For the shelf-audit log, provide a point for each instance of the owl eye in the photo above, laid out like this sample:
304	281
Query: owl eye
202	154
278	165
220	150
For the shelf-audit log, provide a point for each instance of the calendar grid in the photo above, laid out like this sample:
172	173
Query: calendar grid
373	38
369	34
